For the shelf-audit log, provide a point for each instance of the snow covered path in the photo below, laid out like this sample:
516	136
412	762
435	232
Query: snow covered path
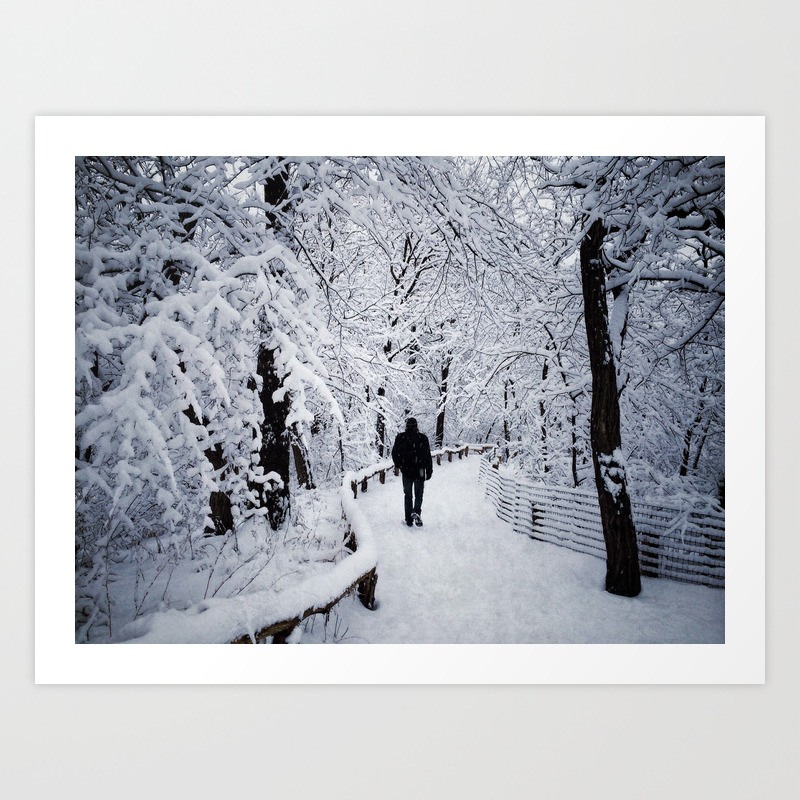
466	577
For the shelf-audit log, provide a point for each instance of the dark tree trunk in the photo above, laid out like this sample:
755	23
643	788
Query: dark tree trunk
543	422
275	441
219	502
622	554
699	451
276	196
221	515
380	426
574	450
506	431
413	348
687	439
687	449
440	417
302	461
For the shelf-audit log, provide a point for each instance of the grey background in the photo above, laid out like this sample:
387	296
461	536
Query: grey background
400	58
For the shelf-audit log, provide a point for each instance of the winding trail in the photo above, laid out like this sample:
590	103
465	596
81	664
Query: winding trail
466	577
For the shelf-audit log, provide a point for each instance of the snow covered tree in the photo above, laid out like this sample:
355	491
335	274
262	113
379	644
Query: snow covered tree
622	555
180	289
639	222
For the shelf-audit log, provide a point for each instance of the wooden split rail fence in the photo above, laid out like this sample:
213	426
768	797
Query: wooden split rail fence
360	479
358	540
684	545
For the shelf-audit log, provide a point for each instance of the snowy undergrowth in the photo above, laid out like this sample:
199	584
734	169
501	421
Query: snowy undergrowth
177	574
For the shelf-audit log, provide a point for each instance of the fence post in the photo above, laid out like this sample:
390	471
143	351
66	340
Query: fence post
350	541
366	590
282	636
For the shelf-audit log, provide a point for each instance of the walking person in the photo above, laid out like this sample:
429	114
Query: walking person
411	454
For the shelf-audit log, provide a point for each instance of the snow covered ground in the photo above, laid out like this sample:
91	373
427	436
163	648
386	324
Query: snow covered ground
466	577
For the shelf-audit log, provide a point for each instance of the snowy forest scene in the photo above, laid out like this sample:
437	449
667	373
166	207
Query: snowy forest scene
400	399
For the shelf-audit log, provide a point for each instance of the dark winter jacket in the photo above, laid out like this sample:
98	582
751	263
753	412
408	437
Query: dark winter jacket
412	454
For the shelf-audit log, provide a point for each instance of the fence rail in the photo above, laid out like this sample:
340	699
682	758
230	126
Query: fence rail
682	544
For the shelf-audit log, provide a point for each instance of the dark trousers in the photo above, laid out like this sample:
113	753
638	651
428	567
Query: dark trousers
417	485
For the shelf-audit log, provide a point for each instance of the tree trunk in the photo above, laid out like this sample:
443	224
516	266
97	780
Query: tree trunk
275	441
699	451
506	431
276	196
687	439
440	417
574	448
219	502
574	453
622	554
543	422
302	460
380	426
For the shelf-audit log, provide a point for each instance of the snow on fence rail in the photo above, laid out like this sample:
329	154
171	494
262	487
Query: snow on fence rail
257	616
682	544
322	593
